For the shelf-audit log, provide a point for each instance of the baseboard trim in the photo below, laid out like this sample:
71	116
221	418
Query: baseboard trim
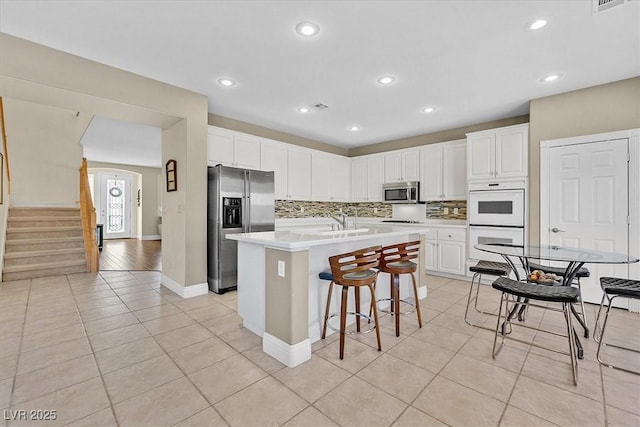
151	237
184	291
290	355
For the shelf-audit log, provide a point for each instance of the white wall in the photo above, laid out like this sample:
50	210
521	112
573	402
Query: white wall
43	145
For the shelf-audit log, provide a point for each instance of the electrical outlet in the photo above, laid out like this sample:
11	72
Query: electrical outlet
446	211
455	211
301	209
281	268
340	210
375	210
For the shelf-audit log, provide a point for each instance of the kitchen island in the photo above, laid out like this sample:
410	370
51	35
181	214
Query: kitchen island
280	296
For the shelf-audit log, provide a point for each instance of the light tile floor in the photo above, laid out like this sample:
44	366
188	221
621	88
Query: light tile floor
116	348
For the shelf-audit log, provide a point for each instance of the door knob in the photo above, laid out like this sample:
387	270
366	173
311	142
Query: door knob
557	230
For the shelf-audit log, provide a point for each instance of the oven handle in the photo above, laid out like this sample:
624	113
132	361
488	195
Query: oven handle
496	226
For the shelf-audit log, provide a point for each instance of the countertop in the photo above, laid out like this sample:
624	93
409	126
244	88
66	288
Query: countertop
307	237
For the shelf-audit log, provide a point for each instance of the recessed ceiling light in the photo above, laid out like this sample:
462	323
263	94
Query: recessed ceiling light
386	80
428	109
304	110
226	82
536	24
354	128
550	78
307	29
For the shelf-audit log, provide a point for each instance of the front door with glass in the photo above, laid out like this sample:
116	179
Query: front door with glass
115	206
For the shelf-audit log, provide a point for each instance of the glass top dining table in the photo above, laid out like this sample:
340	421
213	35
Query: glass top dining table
559	253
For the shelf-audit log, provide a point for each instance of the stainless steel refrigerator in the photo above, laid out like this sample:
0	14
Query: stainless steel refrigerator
239	201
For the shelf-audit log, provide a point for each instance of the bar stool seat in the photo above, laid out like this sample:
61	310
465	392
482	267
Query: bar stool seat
489	268
396	260
613	288
528	292
352	270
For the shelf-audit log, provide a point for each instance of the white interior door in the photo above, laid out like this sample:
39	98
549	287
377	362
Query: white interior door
589	204
115	205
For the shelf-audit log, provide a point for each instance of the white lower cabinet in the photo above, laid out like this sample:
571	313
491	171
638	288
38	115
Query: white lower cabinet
445	250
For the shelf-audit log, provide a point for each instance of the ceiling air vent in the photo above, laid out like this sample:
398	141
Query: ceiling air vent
320	106
602	5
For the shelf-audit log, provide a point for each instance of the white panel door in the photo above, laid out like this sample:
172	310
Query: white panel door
246	152
393	167
481	157
299	177
341	179
588	201
359	183
219	147
511	153
410	168
321	177
375	176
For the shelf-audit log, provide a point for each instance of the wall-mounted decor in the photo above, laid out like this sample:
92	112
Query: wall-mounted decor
172	175
1	178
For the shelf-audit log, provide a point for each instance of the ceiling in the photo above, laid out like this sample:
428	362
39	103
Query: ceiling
474	61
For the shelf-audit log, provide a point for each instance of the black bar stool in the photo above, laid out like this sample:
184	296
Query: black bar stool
614	288
559	271
527	292
489	268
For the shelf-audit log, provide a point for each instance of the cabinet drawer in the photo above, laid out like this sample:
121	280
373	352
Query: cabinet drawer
452	234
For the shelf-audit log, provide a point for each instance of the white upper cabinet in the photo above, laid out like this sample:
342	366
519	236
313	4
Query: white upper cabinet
402	166
330	177
443	169
232	149
367	177
498	153
292	167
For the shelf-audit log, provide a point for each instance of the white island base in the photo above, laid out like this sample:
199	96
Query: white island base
280	296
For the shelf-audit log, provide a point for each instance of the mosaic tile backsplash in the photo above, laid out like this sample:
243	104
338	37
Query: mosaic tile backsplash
445	209
307	209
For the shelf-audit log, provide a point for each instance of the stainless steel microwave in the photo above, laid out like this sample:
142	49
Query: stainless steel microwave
402	192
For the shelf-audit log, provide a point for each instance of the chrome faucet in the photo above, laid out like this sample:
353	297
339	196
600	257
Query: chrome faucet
342	220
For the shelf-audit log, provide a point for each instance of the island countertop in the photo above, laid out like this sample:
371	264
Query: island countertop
304	238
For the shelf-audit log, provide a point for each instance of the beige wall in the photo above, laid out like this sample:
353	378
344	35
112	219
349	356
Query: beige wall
149	191
33	72
43	144
605	108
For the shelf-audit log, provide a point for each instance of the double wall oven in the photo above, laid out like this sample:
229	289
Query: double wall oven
496	213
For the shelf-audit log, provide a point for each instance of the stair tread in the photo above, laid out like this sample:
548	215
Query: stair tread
43	218
42	266
51	240
36	229
45	252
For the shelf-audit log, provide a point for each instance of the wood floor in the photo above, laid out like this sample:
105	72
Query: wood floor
131	254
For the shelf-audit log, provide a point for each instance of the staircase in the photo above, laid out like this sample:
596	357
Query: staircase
43	242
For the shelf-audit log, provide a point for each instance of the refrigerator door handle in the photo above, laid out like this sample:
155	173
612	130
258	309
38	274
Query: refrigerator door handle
246	224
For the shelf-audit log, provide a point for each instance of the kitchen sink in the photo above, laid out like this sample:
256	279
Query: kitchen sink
328	232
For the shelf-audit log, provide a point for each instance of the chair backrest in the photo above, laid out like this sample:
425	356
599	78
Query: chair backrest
354	262
405	251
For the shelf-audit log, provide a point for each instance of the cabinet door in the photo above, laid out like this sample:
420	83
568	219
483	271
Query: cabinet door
431	255
375	177
431	173
341	179
393	167
359	182
451	257
246	152
321	177
512	152
480	156
219	147
410	166
454	173
299	176
273	157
